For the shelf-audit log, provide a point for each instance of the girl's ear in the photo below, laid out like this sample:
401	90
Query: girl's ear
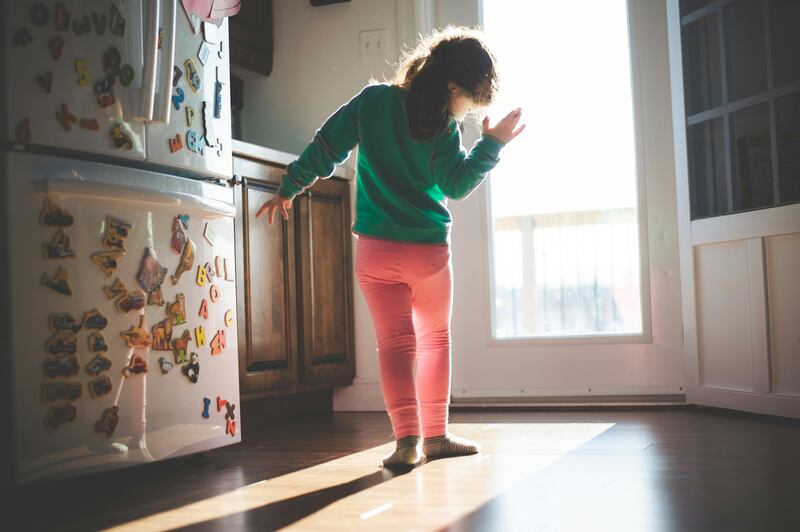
451	86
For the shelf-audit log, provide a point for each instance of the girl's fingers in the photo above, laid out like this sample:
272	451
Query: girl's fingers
518	131
284	213
261	210
486	123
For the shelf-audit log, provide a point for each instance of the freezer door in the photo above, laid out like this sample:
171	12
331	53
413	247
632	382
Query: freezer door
100	381
196	134
73	74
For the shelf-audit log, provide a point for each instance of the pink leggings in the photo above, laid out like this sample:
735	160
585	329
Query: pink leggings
408	288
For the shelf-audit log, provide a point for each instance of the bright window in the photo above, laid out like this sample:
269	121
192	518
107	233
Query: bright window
563	199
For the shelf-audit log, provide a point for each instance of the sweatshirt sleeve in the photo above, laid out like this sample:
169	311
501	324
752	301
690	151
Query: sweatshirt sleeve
457	172
330	147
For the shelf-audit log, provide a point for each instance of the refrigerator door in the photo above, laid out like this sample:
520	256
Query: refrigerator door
100	381
196	134
74	72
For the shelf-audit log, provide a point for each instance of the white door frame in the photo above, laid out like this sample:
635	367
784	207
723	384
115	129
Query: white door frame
750	227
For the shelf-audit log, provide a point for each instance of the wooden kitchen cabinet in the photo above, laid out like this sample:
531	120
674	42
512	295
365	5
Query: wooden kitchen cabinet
295	304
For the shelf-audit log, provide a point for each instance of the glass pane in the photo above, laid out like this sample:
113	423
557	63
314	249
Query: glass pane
565	228
745	48
701	65
752	158
707	182
688	6
787	112
785	40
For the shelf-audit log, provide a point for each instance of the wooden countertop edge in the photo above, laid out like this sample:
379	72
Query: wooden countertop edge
273	157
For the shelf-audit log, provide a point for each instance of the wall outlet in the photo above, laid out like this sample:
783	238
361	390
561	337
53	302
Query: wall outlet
372	44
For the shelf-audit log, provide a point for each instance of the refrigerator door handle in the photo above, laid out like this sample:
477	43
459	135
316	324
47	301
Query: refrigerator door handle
168	60
150	60
105	191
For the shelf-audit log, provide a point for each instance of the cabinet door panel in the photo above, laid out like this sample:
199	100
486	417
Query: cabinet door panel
326	283
269	344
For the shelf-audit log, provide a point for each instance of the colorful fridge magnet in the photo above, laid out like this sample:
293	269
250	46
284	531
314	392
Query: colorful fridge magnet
61	17
192	141
109	419
60	367
179	236
229	410
107	261
83	72
59	247
192	76
177	74
120	138
206	405
218	269
104	92
126	75
176	310
54	215
116	289
59	283
165	365
175	143
94	319
156	297
203	309
209	234
136	366
202	275
116	233
23	131
56	46
40	15
218	343
151	274
137	336
217	97
65	118
62	343
60	415
100	386
22	37
45	81
192	369
98	365
213	293
112	60
116	23
82	27
186	262
100	21
190	114
97	343
131	301
220	403
203	53
180	347
200	336
162	335
178	98
228	318
230	427
63	322
89	123
62	391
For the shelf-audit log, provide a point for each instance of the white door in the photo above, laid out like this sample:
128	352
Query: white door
572	292
74	72
736	103
191	129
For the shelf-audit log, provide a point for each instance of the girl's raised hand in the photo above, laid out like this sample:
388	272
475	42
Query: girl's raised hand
504	130
276	203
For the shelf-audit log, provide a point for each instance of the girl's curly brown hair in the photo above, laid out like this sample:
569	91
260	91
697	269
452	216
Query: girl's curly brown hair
453	54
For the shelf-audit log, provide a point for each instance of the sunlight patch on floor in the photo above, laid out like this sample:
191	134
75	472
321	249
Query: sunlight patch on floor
428	497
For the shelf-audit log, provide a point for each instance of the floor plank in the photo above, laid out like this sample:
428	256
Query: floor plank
672	469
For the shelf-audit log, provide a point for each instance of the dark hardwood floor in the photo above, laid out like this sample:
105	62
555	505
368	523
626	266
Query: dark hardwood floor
665	469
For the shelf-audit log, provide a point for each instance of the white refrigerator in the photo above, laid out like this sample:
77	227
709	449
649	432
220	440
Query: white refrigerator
117	235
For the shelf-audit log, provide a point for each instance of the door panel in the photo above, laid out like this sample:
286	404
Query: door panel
61	67
783	263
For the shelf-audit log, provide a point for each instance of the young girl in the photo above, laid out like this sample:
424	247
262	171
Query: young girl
410	160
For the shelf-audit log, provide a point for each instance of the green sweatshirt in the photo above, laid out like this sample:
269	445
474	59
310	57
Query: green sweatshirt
402	184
